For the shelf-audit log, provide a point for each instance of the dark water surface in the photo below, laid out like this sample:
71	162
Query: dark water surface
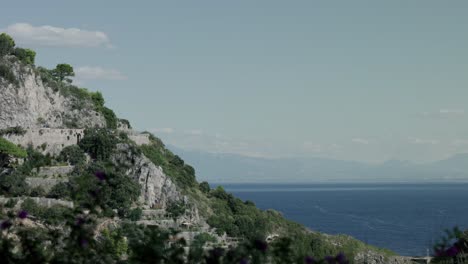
406	218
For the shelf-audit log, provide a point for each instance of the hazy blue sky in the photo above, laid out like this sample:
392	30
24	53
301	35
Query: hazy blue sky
360	80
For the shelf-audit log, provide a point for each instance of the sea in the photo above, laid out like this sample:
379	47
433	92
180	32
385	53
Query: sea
405	218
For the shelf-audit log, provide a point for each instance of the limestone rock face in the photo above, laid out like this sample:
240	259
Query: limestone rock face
372	257
157	189
32	104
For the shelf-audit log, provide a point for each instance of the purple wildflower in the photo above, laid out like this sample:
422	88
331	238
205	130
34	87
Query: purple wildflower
84	242
309	260
244	261
452	251
341	259
329	259
23	214
79	221
261	245
100	175
6	224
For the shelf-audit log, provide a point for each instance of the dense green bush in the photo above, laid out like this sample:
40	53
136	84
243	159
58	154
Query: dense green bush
13	184
8	75
73	155
98	143
60	191
103	186
6	44
110	117
175	209
204	187
25	55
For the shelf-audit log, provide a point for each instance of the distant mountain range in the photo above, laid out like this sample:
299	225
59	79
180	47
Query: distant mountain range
233	168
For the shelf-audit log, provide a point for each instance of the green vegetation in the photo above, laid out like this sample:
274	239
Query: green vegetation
173	165
62	72
98	143
8	150
125	122
6	44
12	131
8	75
26	56
73	155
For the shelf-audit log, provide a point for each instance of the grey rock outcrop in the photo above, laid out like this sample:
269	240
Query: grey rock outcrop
372	257
157	189
32	104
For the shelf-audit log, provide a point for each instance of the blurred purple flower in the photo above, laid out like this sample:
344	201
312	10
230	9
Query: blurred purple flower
244	261
341	258
6	224
329	259
100	175
309	260
452	251
261	245
79	221
84	242
23	214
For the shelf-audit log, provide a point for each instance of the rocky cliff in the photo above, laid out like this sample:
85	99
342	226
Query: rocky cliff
31	103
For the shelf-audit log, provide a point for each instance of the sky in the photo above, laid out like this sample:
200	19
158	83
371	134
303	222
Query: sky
353	80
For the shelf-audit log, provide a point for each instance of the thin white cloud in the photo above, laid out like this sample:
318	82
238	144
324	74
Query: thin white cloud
422	141
165	130
361	141
460	142
312	147
46	35
444	113
98	73
194	132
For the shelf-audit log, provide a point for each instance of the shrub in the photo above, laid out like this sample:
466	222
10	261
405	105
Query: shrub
204	187
175	209
126	123
135	214
98	142
110	117
25	55
8	75
37	192
6	44
73	155
17	130
60	191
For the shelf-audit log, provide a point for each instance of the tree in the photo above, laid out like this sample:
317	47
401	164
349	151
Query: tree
205	187
6	44
98	142
8	150
25	55
62	71
73	154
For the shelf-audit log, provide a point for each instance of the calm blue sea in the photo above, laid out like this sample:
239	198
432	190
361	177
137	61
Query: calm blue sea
406	218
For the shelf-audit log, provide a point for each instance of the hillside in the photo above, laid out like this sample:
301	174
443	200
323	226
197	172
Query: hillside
78	185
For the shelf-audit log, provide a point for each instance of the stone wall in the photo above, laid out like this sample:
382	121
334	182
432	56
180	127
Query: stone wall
45	184
47	202
48	140
54	171
138	138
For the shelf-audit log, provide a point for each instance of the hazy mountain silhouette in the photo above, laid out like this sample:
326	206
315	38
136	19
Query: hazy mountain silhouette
215	167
